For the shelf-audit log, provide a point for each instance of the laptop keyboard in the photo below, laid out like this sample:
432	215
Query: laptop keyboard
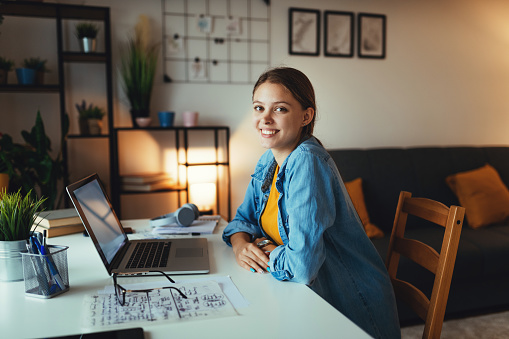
149	255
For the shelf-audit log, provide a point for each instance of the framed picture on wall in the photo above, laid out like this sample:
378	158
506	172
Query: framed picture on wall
304	37
338	36
371	42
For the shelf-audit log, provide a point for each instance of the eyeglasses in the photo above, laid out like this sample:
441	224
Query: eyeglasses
120	291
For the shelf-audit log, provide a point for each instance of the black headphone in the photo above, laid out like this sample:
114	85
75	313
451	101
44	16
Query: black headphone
184	216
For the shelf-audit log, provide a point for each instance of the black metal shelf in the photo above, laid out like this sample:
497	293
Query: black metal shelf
180	132
14	88
60	12
88	136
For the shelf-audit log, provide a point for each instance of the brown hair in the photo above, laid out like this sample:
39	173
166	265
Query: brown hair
299	85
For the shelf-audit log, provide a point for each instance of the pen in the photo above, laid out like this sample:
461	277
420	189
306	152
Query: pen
39	269
51	264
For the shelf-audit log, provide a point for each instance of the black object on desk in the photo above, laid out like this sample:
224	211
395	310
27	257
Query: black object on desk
127	333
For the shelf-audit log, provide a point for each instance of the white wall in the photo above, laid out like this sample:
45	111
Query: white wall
444	80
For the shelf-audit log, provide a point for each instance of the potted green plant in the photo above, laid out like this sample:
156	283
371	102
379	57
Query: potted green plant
6	65
6	161
17	217
33	163
138	66
90	118
32	71
86	33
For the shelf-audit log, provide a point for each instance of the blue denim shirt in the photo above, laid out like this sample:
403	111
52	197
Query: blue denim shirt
324	243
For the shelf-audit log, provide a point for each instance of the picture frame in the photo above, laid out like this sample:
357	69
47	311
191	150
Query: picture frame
338	34
304	31
372	35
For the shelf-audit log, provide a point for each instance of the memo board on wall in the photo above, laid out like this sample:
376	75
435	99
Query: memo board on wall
215	41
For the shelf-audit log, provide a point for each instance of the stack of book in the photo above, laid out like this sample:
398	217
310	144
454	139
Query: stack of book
59	222
146	182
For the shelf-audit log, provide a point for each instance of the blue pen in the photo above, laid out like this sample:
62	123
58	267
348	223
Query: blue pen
39	269
51	265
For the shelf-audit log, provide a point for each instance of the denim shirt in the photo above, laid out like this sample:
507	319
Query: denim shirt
324	243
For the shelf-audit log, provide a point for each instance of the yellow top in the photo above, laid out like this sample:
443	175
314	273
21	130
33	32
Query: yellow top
269	215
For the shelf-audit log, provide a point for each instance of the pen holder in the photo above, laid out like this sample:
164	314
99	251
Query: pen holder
46	276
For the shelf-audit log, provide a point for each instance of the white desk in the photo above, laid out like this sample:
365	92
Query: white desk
276	310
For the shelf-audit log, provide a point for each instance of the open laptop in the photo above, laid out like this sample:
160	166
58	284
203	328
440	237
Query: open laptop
121	255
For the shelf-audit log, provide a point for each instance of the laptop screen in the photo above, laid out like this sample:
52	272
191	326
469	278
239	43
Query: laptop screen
101	219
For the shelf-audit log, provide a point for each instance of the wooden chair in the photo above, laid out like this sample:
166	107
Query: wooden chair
441	265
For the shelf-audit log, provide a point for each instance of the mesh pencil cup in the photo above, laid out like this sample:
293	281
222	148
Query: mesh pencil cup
46	276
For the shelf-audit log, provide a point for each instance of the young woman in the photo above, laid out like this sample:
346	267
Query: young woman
297	221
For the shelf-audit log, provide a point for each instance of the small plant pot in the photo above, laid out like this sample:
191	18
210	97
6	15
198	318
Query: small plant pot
83	125
88	45
11	264
94	126
39	78
3	76
26	76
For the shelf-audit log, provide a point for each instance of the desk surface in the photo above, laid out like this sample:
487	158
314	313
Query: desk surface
276	310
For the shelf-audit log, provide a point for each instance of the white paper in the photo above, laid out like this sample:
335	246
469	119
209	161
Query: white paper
205	300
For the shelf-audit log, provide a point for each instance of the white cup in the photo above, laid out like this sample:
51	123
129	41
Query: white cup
190	118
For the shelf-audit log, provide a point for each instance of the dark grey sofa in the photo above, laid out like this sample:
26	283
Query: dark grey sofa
481	275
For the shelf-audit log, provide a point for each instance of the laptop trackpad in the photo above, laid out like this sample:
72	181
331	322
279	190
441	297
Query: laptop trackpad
189	252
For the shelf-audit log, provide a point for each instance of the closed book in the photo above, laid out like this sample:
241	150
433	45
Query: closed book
62	230
144	178
153	186
57	218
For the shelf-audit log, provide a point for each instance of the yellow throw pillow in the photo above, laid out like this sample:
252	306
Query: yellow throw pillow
483	194
354	189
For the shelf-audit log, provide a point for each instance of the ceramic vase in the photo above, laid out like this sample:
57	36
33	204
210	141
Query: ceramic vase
11	265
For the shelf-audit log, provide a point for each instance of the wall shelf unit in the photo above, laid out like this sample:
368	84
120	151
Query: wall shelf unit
60	13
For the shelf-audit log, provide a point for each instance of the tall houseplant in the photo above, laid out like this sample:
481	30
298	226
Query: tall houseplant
33	165
17	217
138	67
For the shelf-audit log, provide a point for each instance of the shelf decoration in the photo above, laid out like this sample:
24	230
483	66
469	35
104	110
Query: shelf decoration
86	33
32	71
139	61
90	118
6	66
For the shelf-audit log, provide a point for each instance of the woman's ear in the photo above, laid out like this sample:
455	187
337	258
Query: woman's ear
309	114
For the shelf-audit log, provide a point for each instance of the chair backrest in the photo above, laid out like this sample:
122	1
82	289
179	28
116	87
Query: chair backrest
441	264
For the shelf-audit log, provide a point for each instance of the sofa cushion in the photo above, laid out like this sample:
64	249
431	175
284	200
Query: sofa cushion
354	189
483	194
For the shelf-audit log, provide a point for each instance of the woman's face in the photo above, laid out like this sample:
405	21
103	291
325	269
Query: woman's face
278	118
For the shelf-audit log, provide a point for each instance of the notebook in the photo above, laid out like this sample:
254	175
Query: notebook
121	255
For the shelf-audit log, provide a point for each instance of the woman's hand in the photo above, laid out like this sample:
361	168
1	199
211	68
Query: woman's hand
247	254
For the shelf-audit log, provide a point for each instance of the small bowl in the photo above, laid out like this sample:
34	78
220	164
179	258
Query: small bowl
144	122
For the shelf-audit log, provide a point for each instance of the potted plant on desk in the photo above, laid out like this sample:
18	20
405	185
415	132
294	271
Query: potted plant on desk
17	217
6	66
86	33
138	67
